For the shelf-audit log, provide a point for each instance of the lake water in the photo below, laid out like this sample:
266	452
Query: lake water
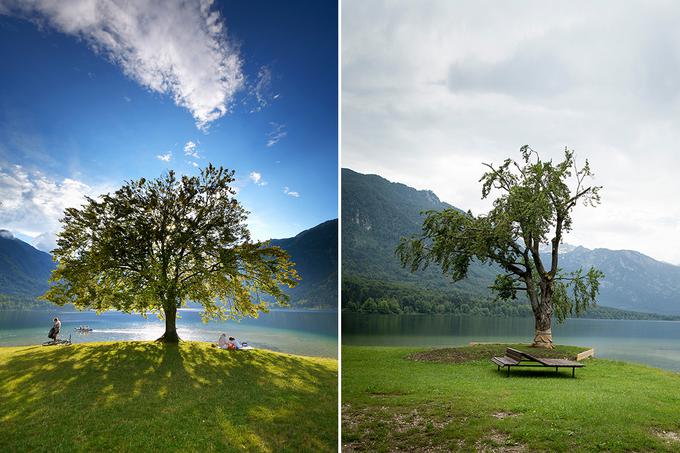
655	343
304	332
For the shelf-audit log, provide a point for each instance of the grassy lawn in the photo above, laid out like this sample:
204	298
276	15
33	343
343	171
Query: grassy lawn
398	399
143	396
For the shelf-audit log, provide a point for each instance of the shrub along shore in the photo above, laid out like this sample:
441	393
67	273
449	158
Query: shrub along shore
145	396
455	399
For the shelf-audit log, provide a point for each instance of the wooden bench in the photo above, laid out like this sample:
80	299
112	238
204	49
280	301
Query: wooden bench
514	357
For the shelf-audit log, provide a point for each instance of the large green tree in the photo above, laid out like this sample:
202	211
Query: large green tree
521	234
154	245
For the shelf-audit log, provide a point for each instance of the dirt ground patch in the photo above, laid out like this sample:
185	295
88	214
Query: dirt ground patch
483	352
498	442
669	436
396	429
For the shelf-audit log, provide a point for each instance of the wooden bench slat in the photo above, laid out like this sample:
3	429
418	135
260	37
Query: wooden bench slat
513	357
514	354
533	358
562	363
505	361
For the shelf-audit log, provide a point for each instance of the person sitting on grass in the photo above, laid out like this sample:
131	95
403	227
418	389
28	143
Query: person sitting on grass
54	331
222	342
234	343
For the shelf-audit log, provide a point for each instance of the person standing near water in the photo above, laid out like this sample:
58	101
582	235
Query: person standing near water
54	331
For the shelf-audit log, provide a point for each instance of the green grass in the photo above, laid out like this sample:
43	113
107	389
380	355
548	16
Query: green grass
400	399
142	396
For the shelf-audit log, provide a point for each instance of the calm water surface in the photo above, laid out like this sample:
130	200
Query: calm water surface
297	332
655	343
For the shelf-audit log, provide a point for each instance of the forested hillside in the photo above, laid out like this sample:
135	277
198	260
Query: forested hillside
376	213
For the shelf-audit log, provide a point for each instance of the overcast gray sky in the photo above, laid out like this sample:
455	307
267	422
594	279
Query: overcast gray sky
431	89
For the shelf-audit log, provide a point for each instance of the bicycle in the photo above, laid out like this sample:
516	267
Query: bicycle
58	342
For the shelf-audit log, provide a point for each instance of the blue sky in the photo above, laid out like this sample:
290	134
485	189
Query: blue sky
247	85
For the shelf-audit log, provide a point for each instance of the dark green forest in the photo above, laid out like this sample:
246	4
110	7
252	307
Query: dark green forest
367	296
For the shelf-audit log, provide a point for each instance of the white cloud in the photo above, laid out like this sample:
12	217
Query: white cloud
190	150
261	90
257	178
432	91
195	164
33	203
173	47
276	134
45	242
287	191
164	157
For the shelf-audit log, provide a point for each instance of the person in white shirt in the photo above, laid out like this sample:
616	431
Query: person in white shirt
222	342
54	331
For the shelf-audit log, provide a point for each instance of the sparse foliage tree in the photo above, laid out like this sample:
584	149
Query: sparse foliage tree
533	209
154	245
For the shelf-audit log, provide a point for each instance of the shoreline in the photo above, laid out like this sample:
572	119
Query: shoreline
189	309
345	311
306	333
595	356
206	343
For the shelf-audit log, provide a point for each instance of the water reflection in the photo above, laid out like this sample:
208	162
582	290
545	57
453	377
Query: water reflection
296	332
656	343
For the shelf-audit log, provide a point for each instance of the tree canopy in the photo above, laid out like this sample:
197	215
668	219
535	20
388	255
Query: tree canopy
521	234
154	245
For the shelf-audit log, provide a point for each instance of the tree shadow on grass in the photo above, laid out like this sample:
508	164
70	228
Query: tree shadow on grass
149	396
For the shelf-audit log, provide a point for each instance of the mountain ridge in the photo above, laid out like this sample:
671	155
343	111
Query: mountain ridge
633	281
25	270
315	253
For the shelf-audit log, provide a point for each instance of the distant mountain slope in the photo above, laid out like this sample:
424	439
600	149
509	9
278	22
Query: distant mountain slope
377	212
633	281
24	270
315	253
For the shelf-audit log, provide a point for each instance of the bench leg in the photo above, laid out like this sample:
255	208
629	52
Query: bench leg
508	371
499	367
573	370
555	369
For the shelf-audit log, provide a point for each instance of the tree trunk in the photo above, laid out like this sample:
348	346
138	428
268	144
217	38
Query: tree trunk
543	316
170	335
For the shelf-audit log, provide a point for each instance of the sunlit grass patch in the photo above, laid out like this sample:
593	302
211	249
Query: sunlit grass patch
142	396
